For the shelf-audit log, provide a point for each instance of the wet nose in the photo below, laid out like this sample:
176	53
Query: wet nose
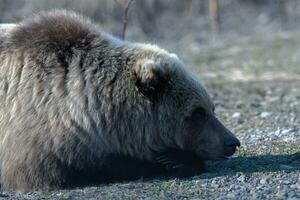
232	142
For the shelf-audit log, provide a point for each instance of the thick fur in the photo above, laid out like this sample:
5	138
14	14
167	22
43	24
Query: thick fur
75	100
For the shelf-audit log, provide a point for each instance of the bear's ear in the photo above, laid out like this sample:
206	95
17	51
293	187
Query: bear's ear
151	77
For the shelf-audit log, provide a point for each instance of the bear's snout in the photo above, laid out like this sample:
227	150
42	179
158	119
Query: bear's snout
230	145
232	142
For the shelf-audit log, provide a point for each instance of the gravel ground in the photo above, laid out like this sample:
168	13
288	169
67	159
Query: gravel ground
255	85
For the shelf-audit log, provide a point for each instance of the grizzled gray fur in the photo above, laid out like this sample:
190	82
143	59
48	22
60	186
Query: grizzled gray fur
71	96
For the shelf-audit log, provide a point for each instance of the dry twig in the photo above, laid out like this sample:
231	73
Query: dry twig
125	16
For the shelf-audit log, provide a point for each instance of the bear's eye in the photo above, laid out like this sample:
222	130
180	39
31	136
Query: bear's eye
199	113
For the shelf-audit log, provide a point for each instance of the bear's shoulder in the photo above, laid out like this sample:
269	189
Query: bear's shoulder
55	30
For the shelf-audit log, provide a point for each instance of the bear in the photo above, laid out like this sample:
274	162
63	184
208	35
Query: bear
79	106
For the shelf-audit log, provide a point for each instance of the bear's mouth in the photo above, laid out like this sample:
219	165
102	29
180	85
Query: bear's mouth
229	151
227	154
224	158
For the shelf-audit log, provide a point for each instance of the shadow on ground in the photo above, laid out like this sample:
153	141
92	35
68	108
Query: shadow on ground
241	164
120	169
252	164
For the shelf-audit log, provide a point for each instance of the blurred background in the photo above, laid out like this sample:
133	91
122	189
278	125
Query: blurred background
180	26
172	19
232	39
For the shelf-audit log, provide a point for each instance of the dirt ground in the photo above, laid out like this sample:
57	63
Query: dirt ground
255	83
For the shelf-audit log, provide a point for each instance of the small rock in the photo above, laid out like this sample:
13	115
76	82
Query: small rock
263	181
289	130
241	178
277	132
214	185
295	186
59	194
236	115
230	196
255	105
3	194
288	139
281	194
265	114
239	104
273	99
240	121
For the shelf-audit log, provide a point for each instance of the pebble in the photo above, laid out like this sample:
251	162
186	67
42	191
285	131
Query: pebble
241	178
296	186
265	114
281	194
289	130
236	115
4	194
263	181
231	196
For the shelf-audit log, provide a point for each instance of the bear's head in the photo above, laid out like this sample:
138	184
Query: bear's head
185	111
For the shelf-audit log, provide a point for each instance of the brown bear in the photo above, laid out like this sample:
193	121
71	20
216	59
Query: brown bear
79	106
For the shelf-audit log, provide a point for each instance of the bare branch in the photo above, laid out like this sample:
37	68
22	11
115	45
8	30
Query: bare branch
214	16
125	16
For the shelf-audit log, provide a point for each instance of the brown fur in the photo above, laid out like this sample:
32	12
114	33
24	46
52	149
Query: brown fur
71	96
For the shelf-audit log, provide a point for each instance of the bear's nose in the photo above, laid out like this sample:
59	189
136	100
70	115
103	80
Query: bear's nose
232	142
